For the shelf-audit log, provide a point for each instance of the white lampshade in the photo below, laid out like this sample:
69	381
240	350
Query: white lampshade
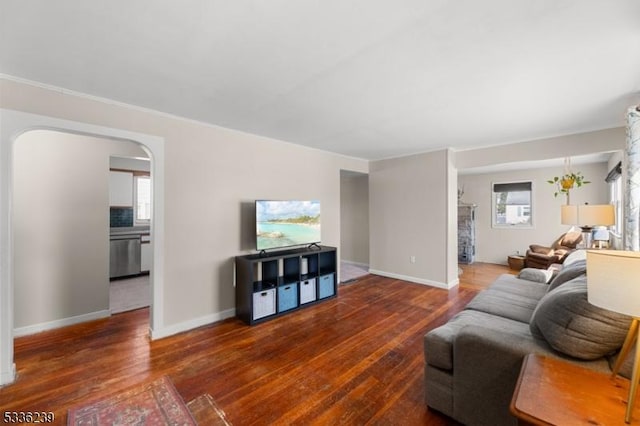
613	280
569	215
588	214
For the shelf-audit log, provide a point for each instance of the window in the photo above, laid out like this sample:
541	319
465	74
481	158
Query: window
614	178
142	194
512	204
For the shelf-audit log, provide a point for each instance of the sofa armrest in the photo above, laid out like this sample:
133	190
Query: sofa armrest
487	364
537	260
538	249
563	253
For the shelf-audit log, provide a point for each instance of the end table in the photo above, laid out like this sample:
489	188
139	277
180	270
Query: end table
550	391
516	262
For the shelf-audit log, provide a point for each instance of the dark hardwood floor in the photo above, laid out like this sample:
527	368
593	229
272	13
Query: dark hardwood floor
353	360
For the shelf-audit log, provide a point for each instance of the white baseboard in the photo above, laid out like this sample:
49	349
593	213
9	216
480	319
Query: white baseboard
155	334
350	262
50	325
191	324
416	280
7	377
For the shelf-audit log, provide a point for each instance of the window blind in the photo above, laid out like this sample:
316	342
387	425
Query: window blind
614	173
512	187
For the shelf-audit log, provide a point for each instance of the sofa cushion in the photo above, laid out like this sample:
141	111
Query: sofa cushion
571	325
574	270
574	256
626	369
438	343
509	297
536	275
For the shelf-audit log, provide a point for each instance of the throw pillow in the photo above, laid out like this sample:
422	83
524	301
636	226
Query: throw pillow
571	325
574	270
537	275
571	239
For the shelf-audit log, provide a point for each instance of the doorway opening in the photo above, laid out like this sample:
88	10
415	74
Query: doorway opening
354	226
62	205
15	125
130	245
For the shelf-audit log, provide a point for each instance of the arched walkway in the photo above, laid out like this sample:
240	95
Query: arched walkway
16	123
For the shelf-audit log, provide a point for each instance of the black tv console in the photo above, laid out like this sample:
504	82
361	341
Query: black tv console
272	284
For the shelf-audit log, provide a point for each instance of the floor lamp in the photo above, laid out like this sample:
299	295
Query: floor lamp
586	216
613	283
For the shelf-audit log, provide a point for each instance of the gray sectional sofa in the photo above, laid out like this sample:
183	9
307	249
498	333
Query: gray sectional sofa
473	361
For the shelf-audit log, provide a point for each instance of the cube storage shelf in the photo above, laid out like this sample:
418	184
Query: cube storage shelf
276	283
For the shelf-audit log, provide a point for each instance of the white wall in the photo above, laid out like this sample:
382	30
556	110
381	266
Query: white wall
211	177
411	213
61	226
493	245
354	214
451	214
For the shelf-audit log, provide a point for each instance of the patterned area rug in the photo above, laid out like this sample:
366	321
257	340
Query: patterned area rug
206	412
155	403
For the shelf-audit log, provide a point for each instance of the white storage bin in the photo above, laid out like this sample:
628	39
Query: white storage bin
307	291
264	303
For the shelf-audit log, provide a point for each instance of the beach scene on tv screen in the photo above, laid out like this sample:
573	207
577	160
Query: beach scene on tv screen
287	223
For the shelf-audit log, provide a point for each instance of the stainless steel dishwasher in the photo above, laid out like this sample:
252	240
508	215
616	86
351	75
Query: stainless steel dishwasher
124	255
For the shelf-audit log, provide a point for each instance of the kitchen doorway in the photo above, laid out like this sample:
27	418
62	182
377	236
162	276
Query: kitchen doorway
130	245
15	125
61	198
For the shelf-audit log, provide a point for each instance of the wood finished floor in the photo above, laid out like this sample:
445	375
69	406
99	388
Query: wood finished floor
353	360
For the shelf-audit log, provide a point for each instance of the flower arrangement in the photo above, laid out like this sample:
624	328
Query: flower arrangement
568	180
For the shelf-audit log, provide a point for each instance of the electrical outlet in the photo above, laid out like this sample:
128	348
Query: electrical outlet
412	259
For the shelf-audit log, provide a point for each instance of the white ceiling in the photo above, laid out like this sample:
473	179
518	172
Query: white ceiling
365	78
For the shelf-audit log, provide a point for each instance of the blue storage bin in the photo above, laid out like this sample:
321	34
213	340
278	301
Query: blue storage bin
326	287
287	297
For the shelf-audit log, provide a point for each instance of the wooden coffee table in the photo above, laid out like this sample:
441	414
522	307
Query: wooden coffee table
555	392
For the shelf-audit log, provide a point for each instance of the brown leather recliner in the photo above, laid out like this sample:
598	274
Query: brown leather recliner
542	257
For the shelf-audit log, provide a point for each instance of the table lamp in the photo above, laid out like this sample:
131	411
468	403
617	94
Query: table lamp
586	216
613	283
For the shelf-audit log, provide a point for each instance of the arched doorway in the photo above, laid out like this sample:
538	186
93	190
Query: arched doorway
17	123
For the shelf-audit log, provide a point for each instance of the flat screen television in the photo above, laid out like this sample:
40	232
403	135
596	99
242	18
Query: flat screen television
286	223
